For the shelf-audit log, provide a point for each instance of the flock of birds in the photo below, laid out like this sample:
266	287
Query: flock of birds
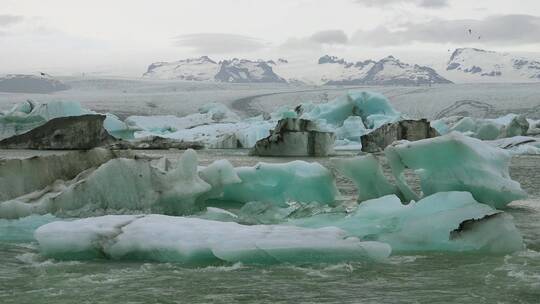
470	31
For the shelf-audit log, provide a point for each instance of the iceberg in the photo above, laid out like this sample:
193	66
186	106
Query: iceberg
352	129
218	135
120	185
373	108
445	221
194	241
215	126
489	129
406	129
455	162
19	176
162	124
22	230
295	137
518	145
366	173
440	126
164	188
28	115
298	181
218	175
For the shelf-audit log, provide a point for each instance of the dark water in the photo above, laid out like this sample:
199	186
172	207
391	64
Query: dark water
26	277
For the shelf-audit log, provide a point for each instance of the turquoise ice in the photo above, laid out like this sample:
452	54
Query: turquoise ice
279	183
445	221
366	173
455	162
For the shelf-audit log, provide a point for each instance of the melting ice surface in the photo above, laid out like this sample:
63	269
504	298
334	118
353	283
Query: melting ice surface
196	241
441	221
215	126
271	213
29	114
445	221
456	162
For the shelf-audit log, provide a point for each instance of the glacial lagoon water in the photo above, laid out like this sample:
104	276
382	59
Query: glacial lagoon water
27	277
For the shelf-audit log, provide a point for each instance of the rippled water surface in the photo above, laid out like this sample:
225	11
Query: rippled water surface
26	277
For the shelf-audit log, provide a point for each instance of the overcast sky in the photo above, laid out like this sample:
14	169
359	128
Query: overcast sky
124	36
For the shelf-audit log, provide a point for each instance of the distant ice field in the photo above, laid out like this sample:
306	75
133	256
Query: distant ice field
125	97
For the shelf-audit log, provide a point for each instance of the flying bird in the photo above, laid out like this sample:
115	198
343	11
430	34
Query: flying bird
470	31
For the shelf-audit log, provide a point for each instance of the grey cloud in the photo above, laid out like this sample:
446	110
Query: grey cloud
330	37
219	43
421	3
6	20
498	29
433	3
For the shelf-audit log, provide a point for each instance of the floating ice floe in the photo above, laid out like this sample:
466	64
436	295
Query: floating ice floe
164	188
279	183
484	128
366	173
518	144
120	185
455	162
22	230
163	124
215	126
295	137
200	242
407	129
373	108
348	117
445	221
20	176
30	114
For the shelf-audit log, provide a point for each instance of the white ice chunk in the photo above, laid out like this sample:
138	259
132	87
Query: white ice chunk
200	242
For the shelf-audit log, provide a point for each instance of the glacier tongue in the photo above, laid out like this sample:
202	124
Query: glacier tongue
200	242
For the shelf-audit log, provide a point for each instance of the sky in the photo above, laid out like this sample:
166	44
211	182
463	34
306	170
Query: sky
122	37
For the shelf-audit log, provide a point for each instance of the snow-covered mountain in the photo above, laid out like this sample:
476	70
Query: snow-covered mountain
197	69
243	70
206	69
483	65
328	70
387	71
24	83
